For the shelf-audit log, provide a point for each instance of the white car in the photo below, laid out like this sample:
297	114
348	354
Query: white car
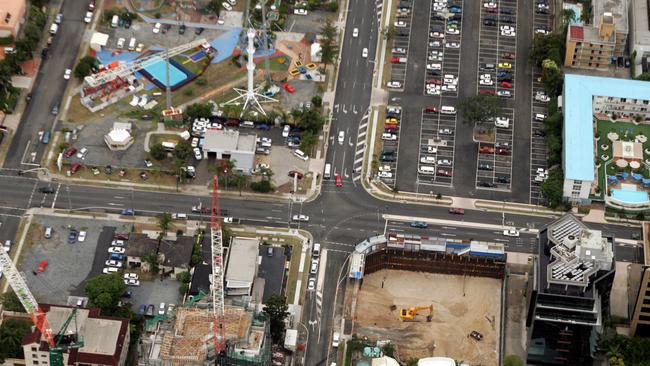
89	17
341	137
490	5
398	51
67	74
300	218
156	28
394	84
364	53
117	243
432	149
300	11
485	76
449	88
389	136
82	236
445	162
504	93
542	31
195	142
261	166
507	28
435	44
355	32
542	97
58	19
511	232
311	284
197	153
132	282
314	266
452	45
113	263
109	270
445	131
384	168
385	175
436	35
428	160
139	47
453	30
285	130
228	7
434	58
433	91
434	66
131	276
81	154
400	24
508	33
486	82
120	43
116	250
503	120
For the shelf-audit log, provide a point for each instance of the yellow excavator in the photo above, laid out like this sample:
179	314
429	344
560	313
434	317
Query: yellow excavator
409	314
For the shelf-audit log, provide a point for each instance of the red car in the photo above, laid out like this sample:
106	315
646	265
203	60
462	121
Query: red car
296	173
456	211
487	91
503	151
394	60
339	181
431	109
121	236
390	128
434	81
288	87
505	84
74	168
42	266
508	55
69	152
232	123
443	172
486	149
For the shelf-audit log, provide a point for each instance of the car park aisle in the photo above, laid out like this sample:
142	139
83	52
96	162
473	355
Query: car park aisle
436	154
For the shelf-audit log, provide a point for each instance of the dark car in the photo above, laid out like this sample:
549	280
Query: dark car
232	123
142	310
508	11
540	133
151	308
28	97
181	29
486	184
55	109
47	189
127	23
128	212
198	30
263	127
456	211
489	23
484	166
387	158
165	28
296	173
508	55
74	168
509	20
72	236
128	294
121	236
503	179
419	224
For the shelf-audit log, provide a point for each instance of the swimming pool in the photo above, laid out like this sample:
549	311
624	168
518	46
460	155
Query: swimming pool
158	72
625	195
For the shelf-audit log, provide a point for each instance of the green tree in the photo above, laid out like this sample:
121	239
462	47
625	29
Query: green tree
329	48
104	291
513	360
333	6
197	110
644	76
164	222
552	188
183	150
10	302
568	15
12	332
184	277
480	108
317	101
276	309
214	6
85	66
308	141
158	152
552	77
547	46
412	362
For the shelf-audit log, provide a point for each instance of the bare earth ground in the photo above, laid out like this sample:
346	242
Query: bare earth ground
455	314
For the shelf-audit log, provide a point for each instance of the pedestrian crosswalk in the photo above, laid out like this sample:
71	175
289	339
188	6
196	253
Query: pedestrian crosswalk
360	148
379	4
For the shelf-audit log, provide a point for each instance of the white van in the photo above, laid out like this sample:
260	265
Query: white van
315	252
428	160
168	145
115	21
247	124
427	169
336	337
328	171
447	110
54	28
132	44
504	123
179	216
301	155
540	117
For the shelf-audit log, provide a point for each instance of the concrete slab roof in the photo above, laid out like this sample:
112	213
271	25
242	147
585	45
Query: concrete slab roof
618	8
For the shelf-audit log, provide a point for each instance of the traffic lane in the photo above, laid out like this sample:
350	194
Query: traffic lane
8	226
49	85
16	191
455	232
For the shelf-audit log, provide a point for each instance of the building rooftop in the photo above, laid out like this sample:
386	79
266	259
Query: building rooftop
11	12
578	154
202	271
176	253
228	140
576	32
640	23
242	262
618	9
103	336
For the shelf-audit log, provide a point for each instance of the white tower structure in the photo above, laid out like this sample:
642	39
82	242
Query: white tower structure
251	96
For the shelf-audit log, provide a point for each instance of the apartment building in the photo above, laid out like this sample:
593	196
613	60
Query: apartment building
597	45
571	284
640	320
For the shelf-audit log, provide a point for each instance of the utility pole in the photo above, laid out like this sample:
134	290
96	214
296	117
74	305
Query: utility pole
168	88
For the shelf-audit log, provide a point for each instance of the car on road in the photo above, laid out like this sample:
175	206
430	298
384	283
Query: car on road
311	284
113	263
156	29
288	88
72	236
338	180
355	32
58	19
300	11
511	232
341	137
117	250
419	224
132	282
89	17
47	189
364	52
394	84
82	236
456	211
300	218
314	266
67	73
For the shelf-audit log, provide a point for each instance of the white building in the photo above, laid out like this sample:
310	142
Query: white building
231	145
241	269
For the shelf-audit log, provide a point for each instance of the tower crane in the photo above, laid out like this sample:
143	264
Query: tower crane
217	272
57	343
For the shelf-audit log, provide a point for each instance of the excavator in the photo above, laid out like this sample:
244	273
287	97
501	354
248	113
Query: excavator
409	314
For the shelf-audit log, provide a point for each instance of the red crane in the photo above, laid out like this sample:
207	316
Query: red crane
217	272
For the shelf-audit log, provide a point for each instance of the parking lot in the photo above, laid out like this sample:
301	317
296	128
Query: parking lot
401	39
443	49
494	168
436	156
144	35
390	146
539	101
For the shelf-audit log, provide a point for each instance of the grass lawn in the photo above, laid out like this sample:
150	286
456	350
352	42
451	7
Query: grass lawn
606	126
276	65
159	138
215	75
77	113
293	270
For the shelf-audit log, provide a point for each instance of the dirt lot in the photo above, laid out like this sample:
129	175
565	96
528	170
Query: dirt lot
459	307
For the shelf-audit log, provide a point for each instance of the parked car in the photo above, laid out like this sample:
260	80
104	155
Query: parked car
300	218
456	211
72	236
511	232
288	88
419	224
42	266
82	236
117	250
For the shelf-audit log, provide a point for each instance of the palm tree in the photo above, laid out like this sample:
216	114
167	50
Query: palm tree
164	221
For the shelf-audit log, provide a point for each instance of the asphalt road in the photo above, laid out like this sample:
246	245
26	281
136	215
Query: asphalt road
48	87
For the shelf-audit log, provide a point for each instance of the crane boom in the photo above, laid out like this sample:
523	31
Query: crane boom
217	271
18	284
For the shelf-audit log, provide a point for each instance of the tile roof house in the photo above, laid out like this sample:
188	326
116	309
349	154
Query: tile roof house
173	257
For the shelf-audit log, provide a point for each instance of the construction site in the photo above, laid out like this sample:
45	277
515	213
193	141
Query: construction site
429	297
